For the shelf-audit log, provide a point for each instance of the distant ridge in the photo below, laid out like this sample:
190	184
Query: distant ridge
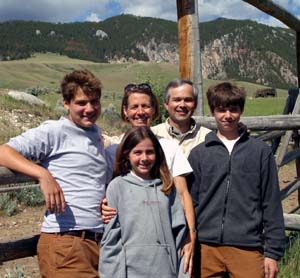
230	49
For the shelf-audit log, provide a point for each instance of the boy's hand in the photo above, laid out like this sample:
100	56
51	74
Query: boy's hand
53	194
106	211
271	268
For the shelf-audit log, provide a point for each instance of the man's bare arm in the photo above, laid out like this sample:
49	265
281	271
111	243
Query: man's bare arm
53	194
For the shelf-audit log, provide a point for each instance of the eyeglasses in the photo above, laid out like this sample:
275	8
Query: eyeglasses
134	87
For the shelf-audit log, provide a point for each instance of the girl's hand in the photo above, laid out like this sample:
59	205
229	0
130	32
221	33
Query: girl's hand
106	211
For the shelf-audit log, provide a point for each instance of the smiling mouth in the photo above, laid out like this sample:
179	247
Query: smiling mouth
144	167
182	112
89	118
143	119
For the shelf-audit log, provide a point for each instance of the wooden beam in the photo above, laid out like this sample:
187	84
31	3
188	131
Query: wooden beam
269	135
189	47
185	9
287	137
292	221
10	177
288	190
12	250
259	123
298	55
276	11
290	156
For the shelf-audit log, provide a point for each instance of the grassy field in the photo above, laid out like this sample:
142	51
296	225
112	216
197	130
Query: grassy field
47	70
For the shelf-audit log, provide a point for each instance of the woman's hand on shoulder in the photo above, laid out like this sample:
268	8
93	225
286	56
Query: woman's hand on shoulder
107	212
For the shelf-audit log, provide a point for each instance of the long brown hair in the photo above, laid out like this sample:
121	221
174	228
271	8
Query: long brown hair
160	168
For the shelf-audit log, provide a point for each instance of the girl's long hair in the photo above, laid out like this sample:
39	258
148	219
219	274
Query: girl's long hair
160	168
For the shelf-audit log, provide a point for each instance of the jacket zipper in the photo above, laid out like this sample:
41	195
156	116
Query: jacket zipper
226	199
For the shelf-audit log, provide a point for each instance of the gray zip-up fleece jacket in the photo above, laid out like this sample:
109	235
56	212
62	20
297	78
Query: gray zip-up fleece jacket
236	197
143	240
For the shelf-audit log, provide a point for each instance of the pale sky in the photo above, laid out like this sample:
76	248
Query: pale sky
98	10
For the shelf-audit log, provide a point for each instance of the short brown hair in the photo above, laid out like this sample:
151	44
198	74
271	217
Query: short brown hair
224	95
134	136
142	88
83	79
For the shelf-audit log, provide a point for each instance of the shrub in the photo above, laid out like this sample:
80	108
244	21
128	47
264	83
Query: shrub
27	197
37	91
7	204
30	197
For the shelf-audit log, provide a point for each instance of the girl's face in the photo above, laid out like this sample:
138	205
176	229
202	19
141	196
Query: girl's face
139	111
142	158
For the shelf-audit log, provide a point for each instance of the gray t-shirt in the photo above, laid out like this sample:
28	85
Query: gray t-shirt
76	159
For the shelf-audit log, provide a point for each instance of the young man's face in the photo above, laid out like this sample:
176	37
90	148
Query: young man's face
227	119
181	104
83	110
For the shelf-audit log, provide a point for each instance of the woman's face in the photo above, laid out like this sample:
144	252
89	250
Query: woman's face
139	111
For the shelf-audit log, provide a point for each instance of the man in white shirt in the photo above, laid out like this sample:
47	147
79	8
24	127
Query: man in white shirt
180	100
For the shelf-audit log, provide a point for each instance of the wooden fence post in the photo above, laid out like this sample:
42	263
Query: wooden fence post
189	47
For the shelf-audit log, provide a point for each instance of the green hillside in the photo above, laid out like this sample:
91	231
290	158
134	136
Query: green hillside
248	50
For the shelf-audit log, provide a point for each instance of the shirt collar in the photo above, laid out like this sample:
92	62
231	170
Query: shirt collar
177	134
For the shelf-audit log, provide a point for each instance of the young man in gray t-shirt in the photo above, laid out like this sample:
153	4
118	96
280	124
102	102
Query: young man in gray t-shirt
72	173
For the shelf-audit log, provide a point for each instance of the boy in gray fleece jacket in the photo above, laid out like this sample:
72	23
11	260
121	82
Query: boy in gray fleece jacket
144	238
235	190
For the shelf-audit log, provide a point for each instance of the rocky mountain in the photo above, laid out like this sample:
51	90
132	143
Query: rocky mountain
230	49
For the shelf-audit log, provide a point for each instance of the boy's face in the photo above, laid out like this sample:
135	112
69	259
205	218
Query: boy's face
227	119
83	110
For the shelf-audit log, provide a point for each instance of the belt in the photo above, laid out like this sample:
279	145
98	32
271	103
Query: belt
85	234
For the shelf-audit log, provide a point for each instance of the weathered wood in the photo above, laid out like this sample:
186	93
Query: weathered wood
185	9
22	248
290	156
189	46
287	137
298	55
292	221
276	11
196	66
269	135
289	189
11	177
259	123
18	187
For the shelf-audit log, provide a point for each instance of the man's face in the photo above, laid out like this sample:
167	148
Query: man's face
83	110
181	104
